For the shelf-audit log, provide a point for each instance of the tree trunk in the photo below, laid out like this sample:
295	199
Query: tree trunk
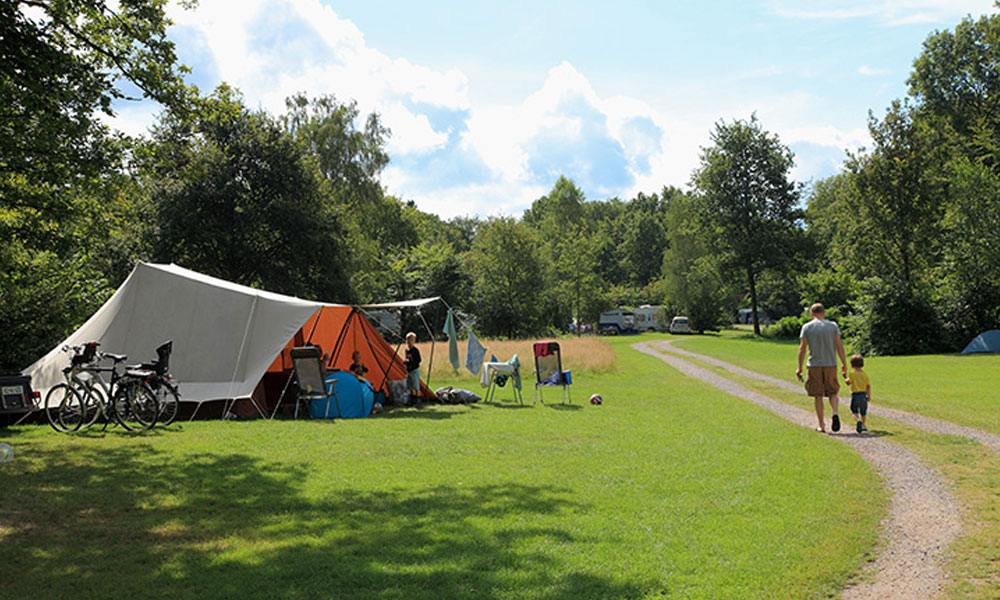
753	300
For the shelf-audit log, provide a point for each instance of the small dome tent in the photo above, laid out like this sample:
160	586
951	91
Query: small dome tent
987	341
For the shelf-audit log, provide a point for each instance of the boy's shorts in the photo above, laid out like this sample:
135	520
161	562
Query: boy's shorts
859	403
822	381
413	380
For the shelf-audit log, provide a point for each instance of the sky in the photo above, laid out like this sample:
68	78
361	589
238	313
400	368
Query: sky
489	103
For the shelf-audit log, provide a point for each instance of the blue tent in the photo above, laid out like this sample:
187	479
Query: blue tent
987	341
354	397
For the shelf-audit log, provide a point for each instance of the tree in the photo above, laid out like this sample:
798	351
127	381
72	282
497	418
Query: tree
749	202
235	197
510	276
692	284
957	76
900	193
969	273
66	214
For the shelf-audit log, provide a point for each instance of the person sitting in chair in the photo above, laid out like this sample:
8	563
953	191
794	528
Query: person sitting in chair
357	367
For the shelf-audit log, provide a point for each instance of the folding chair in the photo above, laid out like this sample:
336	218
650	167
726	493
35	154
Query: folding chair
548	370
310	375
495	374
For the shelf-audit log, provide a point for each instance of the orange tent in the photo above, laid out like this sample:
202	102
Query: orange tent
339	331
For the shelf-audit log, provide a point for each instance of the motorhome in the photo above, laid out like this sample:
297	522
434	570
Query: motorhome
649	318
617	321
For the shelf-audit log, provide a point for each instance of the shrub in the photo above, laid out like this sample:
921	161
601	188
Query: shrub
897	318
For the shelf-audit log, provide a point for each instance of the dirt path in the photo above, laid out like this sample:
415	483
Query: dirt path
990	440
923	516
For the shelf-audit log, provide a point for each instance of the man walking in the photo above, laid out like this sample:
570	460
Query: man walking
822	337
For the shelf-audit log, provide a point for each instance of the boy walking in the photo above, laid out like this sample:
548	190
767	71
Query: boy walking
412	366
861	392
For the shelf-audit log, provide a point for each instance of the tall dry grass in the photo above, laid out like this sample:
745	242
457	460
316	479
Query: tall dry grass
583	354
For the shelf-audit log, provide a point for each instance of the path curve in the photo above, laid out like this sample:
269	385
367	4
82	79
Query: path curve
990	440
923	516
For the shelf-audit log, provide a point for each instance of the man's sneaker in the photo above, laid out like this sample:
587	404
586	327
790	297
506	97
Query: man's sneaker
860	427
863	428
836	423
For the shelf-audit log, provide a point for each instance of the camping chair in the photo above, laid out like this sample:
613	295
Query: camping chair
495	374
548	369
310	376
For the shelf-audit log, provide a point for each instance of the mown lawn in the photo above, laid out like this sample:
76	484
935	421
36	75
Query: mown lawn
958	388
668	490
972	470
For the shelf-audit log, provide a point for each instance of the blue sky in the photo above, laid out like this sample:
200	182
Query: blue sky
490	102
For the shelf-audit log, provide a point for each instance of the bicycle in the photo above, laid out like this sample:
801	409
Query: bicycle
126	400
158	378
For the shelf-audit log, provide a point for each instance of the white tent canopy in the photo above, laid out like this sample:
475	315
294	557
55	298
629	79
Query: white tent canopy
225	335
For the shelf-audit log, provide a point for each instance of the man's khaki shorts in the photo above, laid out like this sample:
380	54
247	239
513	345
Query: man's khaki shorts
822	381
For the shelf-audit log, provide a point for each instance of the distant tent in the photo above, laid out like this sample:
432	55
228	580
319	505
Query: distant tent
226	336
987	341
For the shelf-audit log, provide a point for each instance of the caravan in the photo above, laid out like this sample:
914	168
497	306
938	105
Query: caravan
649	318
617	321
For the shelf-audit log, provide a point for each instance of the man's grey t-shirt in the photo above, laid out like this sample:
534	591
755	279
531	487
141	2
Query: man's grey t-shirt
821	335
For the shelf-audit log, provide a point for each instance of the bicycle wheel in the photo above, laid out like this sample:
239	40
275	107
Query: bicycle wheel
169	401
136	407
94	401
53	400
71	410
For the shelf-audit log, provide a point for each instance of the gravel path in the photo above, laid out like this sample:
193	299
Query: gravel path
990	440
923	517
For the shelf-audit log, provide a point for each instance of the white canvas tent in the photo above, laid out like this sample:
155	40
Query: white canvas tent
225	335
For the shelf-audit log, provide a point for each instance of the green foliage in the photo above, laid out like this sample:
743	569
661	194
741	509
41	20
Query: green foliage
900	199
790	327
896	318
235	198
510	278
691	280
748	200
969	297
832	289
957	76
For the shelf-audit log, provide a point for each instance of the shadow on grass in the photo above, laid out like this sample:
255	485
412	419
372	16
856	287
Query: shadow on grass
134	522
565	406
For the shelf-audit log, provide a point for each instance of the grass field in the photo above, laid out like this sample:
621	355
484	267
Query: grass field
669	490
953	387
972	470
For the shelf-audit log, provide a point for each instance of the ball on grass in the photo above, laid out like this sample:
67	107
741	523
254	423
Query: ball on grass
596	399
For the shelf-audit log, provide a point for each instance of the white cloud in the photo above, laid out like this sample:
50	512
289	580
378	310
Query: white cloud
333	58
491	157
870	71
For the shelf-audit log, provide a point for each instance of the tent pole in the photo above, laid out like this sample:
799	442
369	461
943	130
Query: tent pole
230	400
288	382
335	352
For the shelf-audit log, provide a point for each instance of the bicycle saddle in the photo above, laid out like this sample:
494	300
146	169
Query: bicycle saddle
115	357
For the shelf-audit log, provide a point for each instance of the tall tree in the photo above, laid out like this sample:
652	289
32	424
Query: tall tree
64	207
236	198
900	193
957	76
691	280
749	201
510	276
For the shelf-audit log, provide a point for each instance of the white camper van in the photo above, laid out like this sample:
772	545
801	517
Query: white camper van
649	318
617	321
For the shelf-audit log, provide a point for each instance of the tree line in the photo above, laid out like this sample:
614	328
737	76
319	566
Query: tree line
903	240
